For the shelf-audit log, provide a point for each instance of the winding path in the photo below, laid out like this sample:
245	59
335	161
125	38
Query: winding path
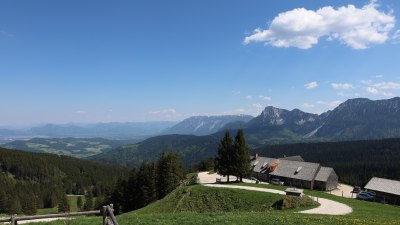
327	207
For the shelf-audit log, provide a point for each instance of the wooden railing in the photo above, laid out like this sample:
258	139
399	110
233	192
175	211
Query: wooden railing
106	212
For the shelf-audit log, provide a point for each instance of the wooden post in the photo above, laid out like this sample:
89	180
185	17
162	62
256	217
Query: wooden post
342	193
104	214
13	220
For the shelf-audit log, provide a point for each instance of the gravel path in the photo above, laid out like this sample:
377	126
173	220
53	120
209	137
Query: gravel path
327	207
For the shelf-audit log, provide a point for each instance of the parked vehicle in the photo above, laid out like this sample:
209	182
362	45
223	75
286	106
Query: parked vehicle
277	182
371	193
363	195
356	189
255	179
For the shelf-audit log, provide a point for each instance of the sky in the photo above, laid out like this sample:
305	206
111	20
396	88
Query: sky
153	60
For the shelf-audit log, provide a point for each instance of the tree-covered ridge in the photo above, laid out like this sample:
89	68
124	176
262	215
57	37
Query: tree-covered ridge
355	162
152	181
190	148
76	147
37	180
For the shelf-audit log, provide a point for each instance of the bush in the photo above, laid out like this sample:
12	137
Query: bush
290	202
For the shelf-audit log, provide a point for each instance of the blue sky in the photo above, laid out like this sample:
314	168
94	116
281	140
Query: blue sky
102	61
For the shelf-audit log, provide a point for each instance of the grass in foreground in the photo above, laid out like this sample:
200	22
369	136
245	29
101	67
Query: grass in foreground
202	199
361	209
157	213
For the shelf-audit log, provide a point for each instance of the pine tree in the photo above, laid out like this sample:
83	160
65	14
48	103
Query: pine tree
63	205
241	156
224	159
146	184
3	201
79	203
88	201
99	202
14	206
129	200
169	173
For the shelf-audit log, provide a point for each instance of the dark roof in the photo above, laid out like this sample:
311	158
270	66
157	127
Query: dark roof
293	158
286	168
384	185
324	173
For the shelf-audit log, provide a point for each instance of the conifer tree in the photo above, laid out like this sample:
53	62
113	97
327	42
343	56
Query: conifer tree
88	201
79	203
224	158
241	156
169	173
63	205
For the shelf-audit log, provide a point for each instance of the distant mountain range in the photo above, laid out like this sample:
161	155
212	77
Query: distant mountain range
130	130
76	147
205	125
355	119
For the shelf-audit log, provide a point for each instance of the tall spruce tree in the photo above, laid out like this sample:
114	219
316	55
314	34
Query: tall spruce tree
170	173
88	201
224	158
79	203
241	156
146	192
63	205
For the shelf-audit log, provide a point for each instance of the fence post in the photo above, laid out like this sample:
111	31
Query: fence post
104	214
13	221
342	193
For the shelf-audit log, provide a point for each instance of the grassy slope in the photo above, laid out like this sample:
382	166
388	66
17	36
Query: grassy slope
204	199
364	213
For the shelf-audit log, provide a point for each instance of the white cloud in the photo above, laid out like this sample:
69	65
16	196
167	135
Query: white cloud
378	76
387	85
249	97
372	90
342	86
257	106
237	92
311	85
163	111
5	33
80	112
302	28
264	97
396	35
307	106
331	103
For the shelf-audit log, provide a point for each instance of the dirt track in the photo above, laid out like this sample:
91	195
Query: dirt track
327	207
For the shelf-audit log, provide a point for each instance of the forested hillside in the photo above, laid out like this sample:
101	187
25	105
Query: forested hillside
76	147
192	149
36	180
354	161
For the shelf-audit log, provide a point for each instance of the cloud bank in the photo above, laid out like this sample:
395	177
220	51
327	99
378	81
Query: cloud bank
311	85
357	28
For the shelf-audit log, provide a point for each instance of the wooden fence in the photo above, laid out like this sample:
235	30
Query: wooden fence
107	212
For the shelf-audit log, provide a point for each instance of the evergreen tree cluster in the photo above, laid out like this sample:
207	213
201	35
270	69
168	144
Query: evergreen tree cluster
29	181
152	181
233	156
355	162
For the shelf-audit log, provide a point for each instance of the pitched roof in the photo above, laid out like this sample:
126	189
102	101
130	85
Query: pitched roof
293	158
286	168
324	173
384	185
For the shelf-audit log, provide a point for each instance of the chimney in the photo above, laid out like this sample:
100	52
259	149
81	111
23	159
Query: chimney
256	155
